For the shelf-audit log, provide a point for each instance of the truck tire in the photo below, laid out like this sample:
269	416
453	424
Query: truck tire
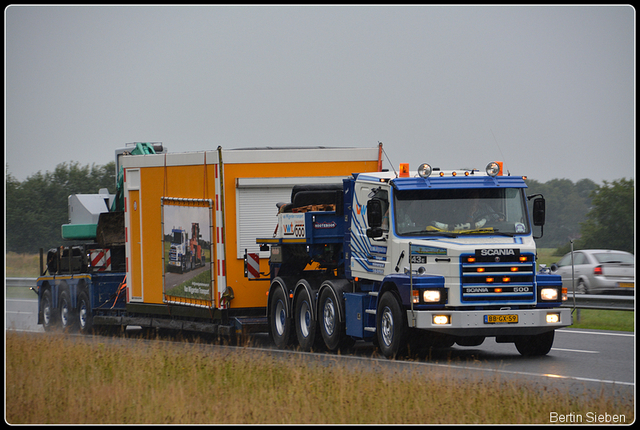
85	317
306	326
330	307
279	321
67	315
46	307
391	326
535	345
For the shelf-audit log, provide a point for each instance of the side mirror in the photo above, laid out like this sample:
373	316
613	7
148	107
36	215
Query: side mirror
374	218
538	211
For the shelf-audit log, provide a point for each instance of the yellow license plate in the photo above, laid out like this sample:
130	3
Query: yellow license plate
500	319
625	284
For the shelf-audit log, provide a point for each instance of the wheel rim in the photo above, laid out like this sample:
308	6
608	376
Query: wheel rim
64	313
386	326
46	312
329	316
280	318
82	315
305	319
582	289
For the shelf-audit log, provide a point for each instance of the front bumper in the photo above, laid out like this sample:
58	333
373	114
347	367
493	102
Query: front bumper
477	323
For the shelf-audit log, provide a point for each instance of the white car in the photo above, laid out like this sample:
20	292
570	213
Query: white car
598	271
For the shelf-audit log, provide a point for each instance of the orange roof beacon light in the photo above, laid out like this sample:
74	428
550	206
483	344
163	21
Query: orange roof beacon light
404	170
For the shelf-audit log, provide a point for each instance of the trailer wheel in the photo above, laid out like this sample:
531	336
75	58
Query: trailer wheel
279	322
535	345
391	326
306	326
46	306
85	318
67	317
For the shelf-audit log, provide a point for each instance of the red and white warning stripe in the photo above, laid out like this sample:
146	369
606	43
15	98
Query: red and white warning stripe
101	259
253	266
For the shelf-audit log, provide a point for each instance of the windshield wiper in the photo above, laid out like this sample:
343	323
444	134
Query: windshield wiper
429	233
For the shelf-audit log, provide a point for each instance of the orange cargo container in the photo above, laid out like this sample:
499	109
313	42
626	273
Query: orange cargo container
232	195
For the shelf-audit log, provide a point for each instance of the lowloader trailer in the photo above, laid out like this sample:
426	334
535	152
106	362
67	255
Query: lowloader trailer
229	196
319	247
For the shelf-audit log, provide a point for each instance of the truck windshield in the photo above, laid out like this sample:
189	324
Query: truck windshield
177	237
460	212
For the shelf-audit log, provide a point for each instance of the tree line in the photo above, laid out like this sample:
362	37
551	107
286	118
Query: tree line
592	215
36	208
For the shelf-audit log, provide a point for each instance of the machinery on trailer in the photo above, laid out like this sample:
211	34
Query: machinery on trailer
228	197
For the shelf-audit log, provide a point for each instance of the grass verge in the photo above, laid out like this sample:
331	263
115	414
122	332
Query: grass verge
57	379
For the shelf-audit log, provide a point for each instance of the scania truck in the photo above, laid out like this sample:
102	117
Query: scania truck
414	259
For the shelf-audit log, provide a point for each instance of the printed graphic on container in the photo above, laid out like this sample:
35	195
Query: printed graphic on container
186	251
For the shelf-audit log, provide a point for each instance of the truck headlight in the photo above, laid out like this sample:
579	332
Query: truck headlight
431	296
549	294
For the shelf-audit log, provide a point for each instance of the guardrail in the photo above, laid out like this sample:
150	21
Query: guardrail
595	301
583	301
20	282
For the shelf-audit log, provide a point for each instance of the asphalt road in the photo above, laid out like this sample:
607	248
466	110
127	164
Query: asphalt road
580	359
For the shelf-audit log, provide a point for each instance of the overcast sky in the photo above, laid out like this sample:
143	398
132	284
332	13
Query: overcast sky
548	90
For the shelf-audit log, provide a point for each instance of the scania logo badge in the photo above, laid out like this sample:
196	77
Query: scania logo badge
497	259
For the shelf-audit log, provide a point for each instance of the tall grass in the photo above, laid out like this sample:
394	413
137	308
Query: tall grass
58	379
22	265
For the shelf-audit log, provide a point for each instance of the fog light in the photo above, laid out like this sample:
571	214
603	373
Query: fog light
441	319
424	170
549	294
431	296
493	169
553	318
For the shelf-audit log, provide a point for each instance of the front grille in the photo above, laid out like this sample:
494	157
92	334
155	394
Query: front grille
489	279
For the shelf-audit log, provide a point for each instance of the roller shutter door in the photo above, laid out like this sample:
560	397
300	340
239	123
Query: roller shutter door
257	215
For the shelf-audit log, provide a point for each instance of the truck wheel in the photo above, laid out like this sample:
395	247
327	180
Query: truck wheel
67	317
304	322
279	322
331	328
85	318
535	345
391	326
46	306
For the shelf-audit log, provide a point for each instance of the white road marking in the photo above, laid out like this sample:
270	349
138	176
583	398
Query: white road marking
575	350
604	333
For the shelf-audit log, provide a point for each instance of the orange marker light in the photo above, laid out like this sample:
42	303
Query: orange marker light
404	170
